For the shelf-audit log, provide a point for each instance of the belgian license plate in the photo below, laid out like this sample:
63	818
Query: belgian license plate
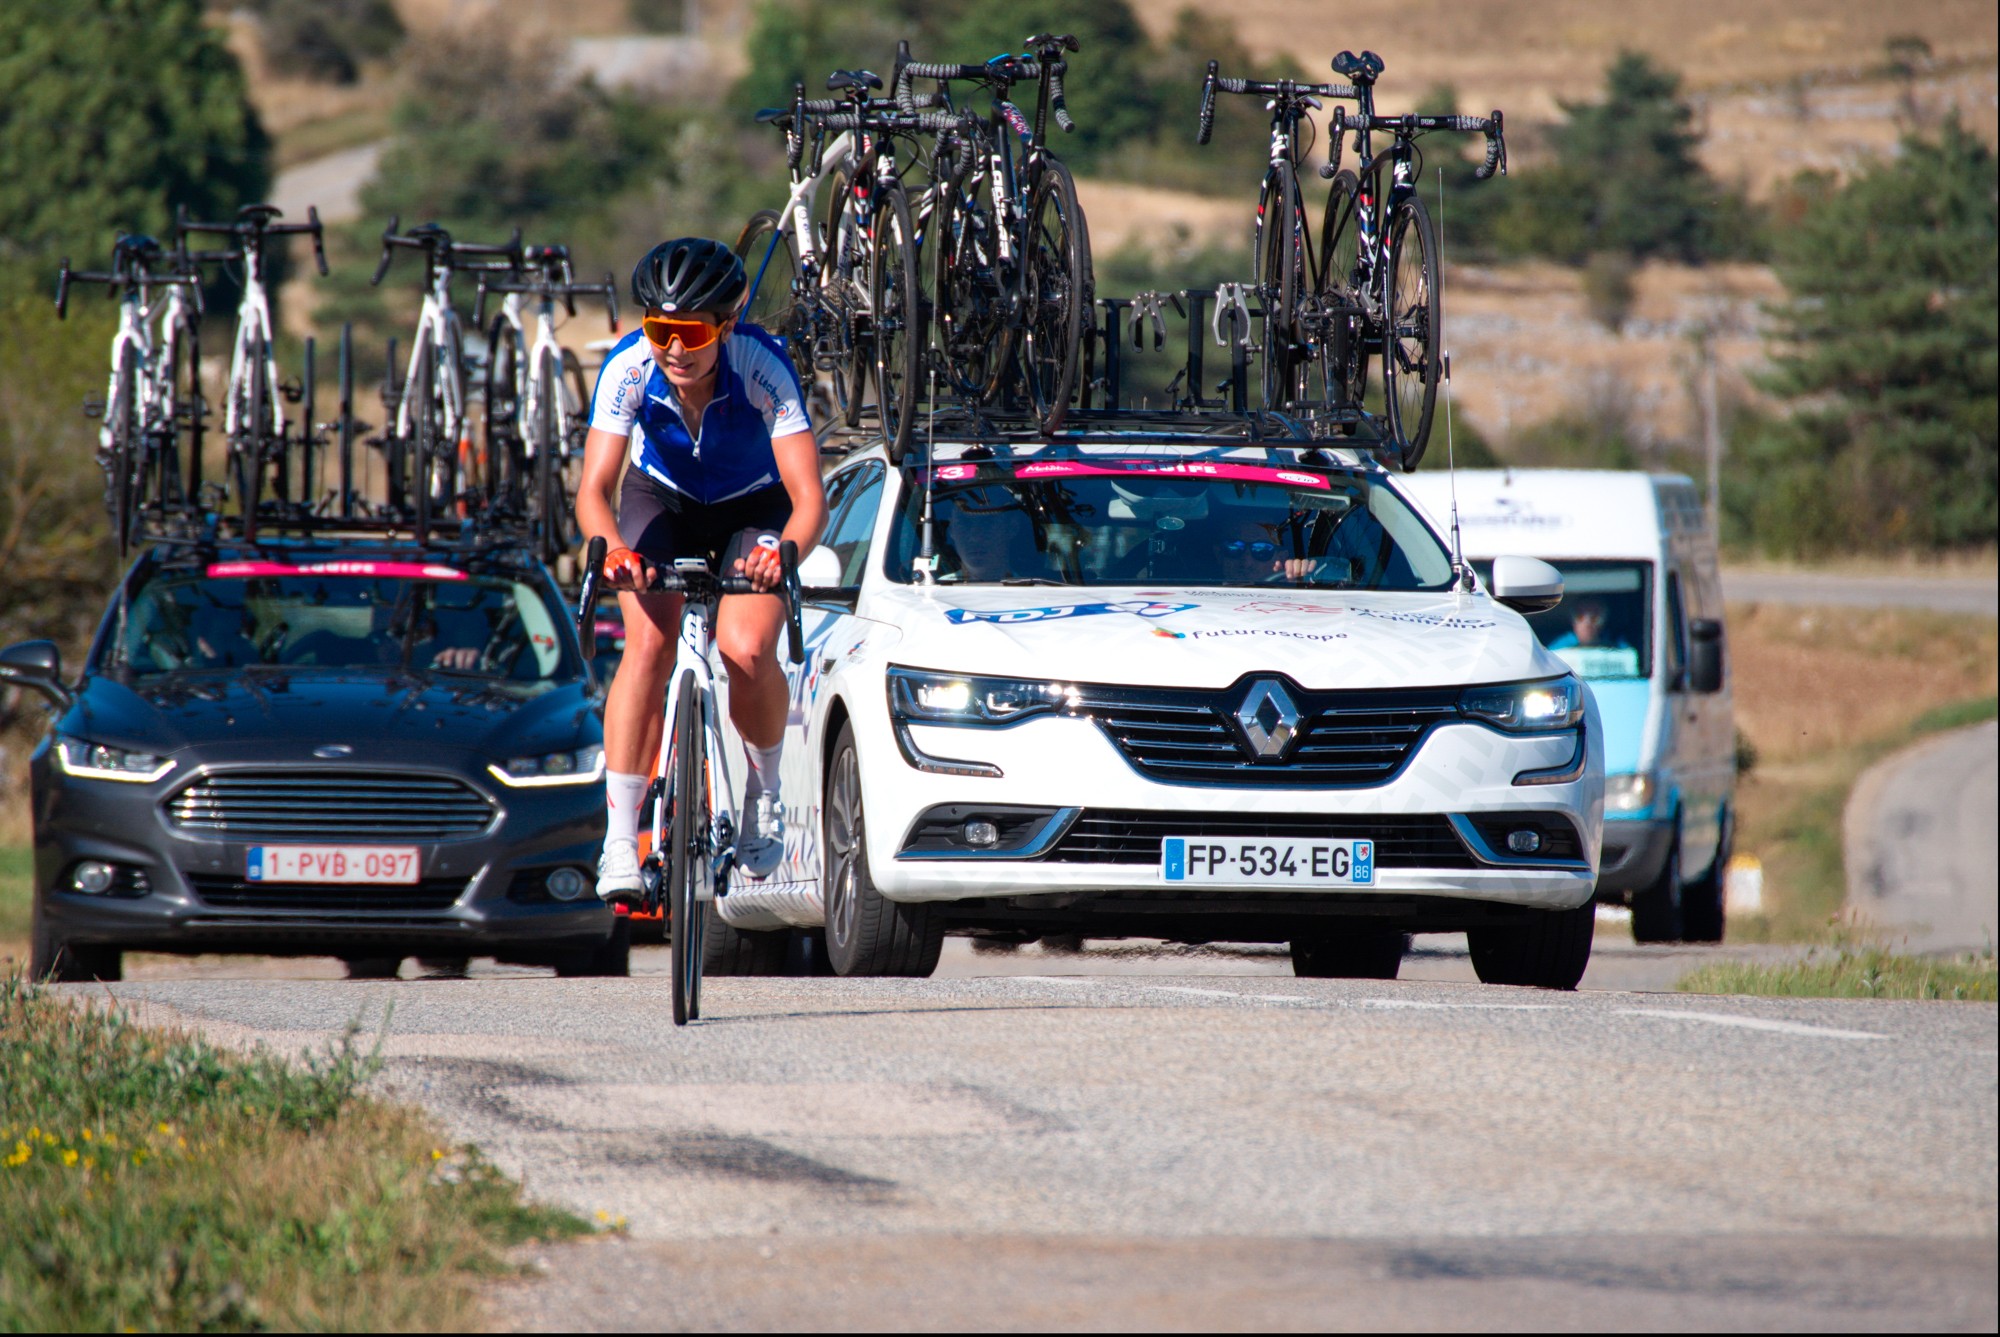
333	863
1268	863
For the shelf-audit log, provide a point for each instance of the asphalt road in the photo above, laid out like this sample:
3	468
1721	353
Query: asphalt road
1201	1149
1923	850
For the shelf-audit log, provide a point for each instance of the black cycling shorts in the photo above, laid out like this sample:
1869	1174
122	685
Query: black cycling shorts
661	524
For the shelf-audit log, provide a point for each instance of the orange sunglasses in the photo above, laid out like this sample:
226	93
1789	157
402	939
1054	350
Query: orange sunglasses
694	333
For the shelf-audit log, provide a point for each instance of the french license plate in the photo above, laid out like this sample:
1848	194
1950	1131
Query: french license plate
333	863
1268	863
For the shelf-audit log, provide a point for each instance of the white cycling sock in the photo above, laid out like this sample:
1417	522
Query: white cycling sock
763	769
622	796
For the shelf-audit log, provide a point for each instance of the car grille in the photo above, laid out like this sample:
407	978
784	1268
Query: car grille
1346	740
1132	836
378	807
433	893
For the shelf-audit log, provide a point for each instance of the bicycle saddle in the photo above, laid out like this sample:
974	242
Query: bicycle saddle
1364	66
773	115
841	79
259	214
133	243
429	230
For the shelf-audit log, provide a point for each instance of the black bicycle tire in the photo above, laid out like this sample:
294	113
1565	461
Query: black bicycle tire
184	383
848	359
250	443
898	356
546	522
568	464
774	307
1410	444
1051	395
417	393
976	374
1278	280
1344	361
501	396
456	463
684	852
123	464
347	419
197	414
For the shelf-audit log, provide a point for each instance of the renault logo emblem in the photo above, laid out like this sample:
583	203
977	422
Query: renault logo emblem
1269	720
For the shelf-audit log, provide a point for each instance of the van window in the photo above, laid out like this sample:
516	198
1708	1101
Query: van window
1602	628
1676	628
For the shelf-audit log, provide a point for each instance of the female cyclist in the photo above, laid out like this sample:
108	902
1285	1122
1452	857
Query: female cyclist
698	428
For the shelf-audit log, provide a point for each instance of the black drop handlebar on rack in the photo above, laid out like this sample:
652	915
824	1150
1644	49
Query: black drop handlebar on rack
1288	88
697	584
556	280
1493	127
1000	72
253	223
132	259
440	249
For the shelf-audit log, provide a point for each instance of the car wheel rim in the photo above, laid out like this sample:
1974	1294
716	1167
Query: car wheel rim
843	840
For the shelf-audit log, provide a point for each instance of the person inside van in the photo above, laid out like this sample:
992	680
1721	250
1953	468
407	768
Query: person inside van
1586	629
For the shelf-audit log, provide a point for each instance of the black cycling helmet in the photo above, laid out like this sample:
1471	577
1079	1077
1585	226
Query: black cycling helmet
689	274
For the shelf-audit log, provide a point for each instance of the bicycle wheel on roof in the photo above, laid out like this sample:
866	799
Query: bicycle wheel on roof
1411	338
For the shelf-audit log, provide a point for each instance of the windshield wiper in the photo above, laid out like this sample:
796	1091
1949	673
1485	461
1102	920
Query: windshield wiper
1036	580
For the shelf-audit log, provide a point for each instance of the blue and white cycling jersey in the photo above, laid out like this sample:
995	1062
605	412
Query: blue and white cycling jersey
757	397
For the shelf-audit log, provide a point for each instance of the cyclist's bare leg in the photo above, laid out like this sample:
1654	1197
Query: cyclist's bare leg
633	716
746	632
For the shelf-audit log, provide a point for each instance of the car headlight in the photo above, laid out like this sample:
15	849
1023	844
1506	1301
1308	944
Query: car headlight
1629	793
97	761
956	698
581	767
1526	707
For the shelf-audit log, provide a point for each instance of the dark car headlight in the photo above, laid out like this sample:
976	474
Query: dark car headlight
100	761
1526	707
582	766
923	697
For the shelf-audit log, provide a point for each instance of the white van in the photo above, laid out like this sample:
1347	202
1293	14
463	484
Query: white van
1641	620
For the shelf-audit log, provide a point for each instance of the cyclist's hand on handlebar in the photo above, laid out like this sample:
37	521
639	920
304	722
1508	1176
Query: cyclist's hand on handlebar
761	565
627	570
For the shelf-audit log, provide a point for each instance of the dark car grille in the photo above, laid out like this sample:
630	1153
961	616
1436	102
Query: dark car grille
1345	739
379	807
433	893
1131	836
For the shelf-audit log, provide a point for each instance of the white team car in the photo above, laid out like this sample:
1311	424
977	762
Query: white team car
1236	694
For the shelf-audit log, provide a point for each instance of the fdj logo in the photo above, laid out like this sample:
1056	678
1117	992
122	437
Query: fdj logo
1137	607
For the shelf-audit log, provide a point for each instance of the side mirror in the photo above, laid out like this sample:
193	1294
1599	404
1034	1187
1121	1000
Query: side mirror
1704	672
1526	584
36	666
820	570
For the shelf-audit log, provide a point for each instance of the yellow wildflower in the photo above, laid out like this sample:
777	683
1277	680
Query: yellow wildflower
86	1135
68	1157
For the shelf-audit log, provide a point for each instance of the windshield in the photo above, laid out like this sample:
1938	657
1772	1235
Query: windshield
1149	522
297	617
1603	626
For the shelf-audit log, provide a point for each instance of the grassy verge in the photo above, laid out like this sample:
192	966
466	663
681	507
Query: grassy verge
151	1181
17	901
1843	973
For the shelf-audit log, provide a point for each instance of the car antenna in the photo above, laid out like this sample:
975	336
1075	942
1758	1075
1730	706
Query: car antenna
924	568
1460	572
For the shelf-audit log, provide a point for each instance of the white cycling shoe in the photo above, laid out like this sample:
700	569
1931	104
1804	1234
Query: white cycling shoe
760	844
618	873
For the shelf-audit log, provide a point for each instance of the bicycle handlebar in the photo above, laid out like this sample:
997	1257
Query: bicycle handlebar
119	276
567	290
1282	88
253	223
1493	127
440	249
698	584
1006	70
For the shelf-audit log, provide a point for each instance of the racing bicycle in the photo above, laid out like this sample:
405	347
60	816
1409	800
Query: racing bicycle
1012	270
692	821
155	383
535	396
428	441
253	405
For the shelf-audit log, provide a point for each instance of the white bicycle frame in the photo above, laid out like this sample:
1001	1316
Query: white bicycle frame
253	322
153	381
695	640
440	322
528	385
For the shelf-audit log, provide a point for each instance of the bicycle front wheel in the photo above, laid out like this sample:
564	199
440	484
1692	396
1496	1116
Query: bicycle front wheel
844	342
253	430
426	431
771	260
121	465
1057	289
1281	230
506	466
687	852
1411	338
1344	358
898	308
970	324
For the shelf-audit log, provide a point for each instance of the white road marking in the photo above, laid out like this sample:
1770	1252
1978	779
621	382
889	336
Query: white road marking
1751	1023
1458	1007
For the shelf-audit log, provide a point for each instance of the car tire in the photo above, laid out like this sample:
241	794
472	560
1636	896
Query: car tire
727	950
1350	954
372	967
53	960
1550	951
867	933
451	966
1656	910
1702	912
611	959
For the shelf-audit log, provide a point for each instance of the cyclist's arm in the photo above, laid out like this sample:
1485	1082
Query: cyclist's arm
797	455
614	405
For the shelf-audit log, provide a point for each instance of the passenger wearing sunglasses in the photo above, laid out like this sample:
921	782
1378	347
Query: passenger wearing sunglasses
698	428
1249	555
